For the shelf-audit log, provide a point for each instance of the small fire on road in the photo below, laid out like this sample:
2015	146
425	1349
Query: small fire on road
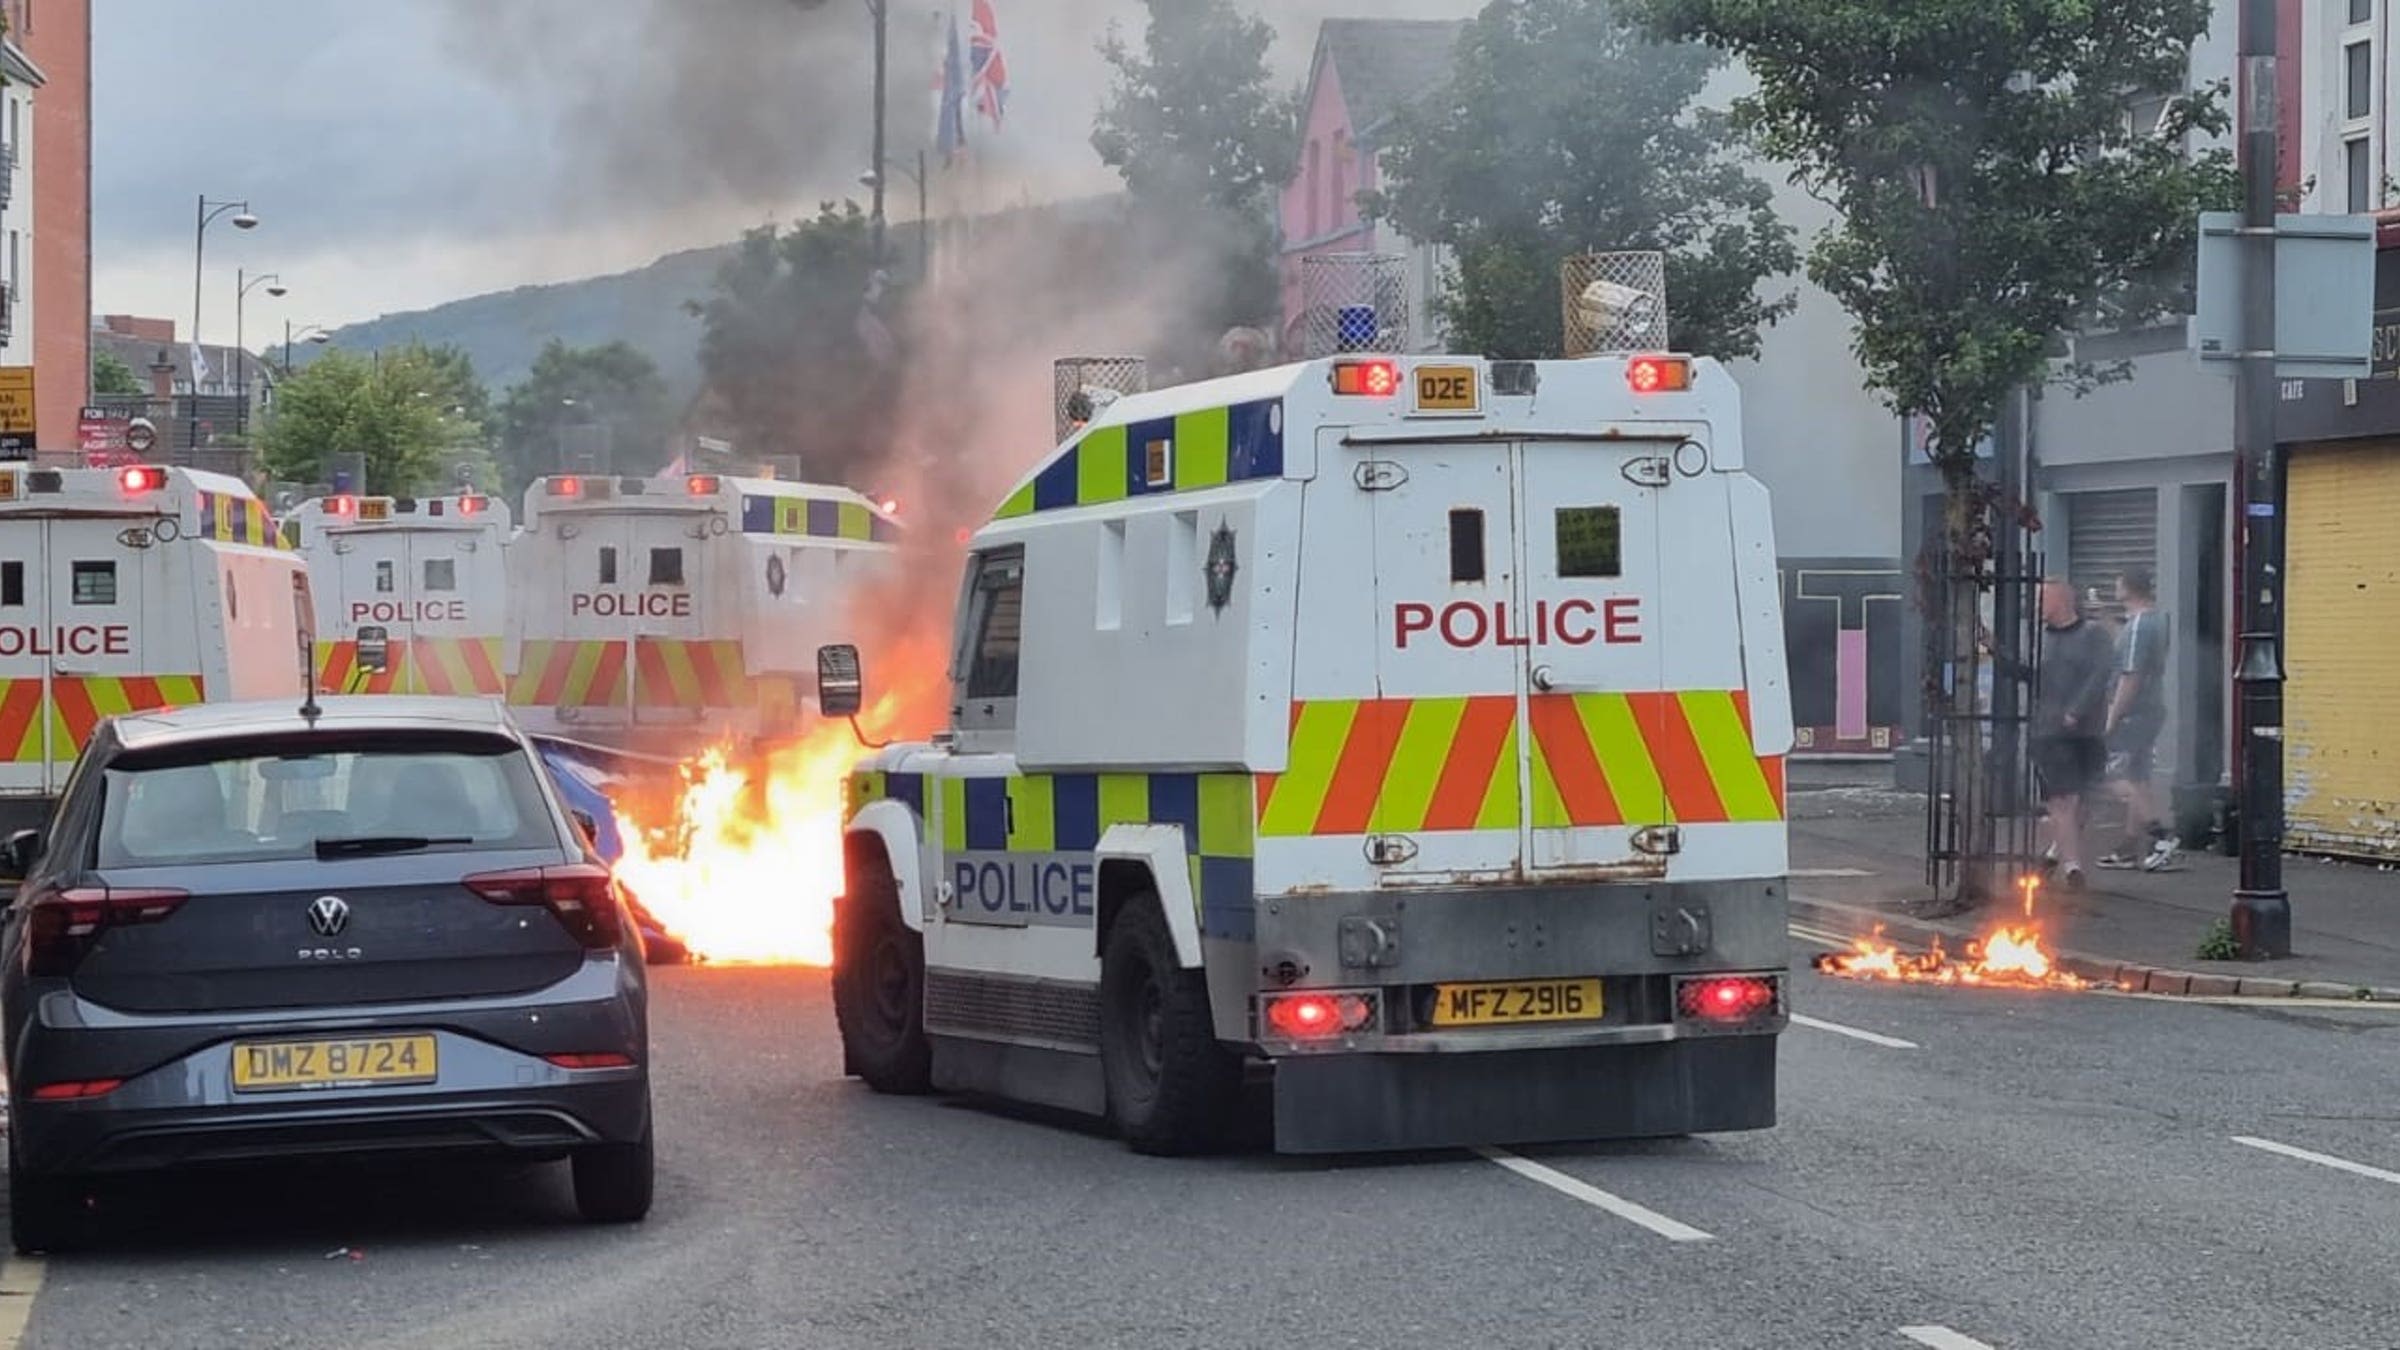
2010	956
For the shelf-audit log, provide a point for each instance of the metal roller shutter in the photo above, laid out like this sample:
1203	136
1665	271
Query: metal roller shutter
2108	533
2342	653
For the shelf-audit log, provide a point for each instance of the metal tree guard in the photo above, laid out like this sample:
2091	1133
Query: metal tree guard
1084	386
1354	302
1614	302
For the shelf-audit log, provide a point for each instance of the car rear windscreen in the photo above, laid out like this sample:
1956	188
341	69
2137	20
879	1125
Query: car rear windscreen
247	807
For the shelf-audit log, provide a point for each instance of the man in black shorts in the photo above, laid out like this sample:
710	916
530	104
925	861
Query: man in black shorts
2137	712
2070	714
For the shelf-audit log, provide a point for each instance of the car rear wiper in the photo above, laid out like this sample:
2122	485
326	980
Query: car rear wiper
381	843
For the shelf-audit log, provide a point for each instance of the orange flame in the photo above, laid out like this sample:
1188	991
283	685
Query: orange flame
2011	954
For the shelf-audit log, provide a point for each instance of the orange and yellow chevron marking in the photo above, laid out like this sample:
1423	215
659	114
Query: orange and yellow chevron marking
448	666
338	672
568	674
76	705
1407	766
676	674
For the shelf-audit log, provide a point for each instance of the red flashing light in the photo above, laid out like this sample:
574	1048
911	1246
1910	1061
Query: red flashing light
606	1059
1659	374
142	478
891	506
566	487
703	484
1733	998
1369	379
472	506
79	1090
1304	1017
341	506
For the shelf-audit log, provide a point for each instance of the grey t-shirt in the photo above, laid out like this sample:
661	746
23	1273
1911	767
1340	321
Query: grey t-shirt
2142	650
2076	673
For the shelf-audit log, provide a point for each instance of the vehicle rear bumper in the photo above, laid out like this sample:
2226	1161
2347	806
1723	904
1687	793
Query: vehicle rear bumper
1360	1103
96	1137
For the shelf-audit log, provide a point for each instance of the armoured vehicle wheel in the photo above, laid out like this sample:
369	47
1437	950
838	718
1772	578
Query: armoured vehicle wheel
879	987
1171	1087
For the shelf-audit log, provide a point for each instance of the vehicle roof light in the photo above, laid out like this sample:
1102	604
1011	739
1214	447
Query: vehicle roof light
565	487
704	484
142	478
341	506
470	506
1368	379
1659	374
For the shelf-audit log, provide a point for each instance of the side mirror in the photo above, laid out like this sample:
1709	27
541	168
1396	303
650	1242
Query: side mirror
374	650
841	690
20	853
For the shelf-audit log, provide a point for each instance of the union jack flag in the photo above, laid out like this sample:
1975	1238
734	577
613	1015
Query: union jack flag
988	85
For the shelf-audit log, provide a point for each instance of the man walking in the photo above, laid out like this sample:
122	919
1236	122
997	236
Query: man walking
2070	718
2137	712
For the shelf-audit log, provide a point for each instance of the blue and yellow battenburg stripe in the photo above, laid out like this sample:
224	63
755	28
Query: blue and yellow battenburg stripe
1197	450
809	518
230	518
1068	813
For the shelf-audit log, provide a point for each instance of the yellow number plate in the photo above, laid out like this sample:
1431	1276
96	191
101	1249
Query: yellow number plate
8	487
1449	389
1483	1005
370	1061
375	508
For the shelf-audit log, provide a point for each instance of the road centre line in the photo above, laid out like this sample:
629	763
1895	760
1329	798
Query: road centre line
1854	1033
20	1281
2320	1159
1670	1229
1827	873
1942	1338
1823	937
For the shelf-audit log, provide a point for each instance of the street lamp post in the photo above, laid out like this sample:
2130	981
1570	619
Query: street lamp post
243	284
314	332
881	12
874	178
201	219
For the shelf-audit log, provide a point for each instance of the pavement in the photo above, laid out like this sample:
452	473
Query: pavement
1858	859
1956	1168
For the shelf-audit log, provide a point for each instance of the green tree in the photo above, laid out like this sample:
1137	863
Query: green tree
794	346
605	405
343	405
1204	141
1567	130
111	377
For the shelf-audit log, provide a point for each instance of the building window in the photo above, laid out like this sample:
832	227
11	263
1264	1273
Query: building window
1339	207
2362	178
1308	186
2358	82
2362	11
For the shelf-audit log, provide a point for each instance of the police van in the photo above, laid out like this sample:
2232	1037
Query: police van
1410	732
662	614
429	575
127	589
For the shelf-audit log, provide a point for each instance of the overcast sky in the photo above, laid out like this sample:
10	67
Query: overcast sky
406	152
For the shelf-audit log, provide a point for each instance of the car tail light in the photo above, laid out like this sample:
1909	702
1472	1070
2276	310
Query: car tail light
607	1059
76	1091
1729	998
141	478
582	895
1316	1014
62	926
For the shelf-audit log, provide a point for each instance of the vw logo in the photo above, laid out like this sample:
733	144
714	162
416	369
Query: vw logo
329	915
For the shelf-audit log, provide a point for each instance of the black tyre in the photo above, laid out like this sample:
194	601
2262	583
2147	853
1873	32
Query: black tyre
1172	1088
614	1182
45	1214
879	987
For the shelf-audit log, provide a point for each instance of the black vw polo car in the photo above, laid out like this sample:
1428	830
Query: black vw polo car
252	933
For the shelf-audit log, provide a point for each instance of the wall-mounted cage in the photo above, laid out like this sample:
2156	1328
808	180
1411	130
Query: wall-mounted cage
1084	386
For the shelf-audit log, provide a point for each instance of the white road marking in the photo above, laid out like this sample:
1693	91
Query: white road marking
1823	937
1627	1210
20	1280
2268	1002
2320	1159
1827	873
1942	1338
1854	1033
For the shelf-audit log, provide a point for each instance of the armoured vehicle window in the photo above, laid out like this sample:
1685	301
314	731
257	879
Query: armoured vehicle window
441	574
1590	542
608	565
998	624
383	577
666	567
12	583
1466	546
95	583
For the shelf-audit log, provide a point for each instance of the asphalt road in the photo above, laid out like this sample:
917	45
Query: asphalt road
2026	1171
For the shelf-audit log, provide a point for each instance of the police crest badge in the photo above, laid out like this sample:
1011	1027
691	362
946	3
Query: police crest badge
1222	567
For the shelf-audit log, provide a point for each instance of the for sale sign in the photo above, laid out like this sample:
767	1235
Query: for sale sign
101	434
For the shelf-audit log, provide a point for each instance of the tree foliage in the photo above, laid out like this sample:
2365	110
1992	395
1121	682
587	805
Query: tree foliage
794	344
1204	141
394	410
113	378
1993	189
1566	129
603	407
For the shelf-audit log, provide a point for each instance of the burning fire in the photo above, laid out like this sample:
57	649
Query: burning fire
2010	955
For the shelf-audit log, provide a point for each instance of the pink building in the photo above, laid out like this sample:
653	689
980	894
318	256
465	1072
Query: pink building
1364	72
